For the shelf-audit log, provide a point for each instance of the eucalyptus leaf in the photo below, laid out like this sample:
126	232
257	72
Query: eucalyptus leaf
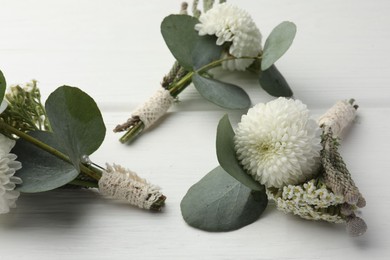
220	93
41	170
206	50
180	36
227	155
76	122
272	81
219	202
3	86
278	43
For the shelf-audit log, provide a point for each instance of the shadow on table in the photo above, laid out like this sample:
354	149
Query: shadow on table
59	208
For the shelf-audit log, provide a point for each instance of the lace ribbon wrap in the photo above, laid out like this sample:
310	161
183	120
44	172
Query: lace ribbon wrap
154	108
338	117
123	184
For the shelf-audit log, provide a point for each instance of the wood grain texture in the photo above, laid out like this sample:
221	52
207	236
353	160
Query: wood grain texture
113	50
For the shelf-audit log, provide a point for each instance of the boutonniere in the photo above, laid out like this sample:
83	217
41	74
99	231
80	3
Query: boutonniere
44	147
278	153
222	36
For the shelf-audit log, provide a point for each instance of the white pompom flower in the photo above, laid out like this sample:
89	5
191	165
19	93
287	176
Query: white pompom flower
278	143
8	167
234	26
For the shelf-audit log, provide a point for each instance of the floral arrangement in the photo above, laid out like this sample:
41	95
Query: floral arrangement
277	153
45	147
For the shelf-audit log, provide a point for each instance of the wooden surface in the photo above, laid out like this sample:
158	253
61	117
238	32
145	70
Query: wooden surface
113	50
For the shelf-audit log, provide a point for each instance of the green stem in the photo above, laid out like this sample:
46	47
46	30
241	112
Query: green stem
81	183
84	169
175	89
132	132
179	86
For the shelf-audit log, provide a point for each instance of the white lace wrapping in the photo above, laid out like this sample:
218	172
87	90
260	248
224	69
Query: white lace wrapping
123	184
338	117
155	107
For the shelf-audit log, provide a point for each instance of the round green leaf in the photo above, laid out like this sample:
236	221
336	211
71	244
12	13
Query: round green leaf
219	202
227	155
206	50
3	86
41	171
272	81
220	93
278	43
76	122
180	36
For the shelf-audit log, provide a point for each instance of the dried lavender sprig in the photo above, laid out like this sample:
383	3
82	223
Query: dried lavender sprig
335	173
334	170
340	205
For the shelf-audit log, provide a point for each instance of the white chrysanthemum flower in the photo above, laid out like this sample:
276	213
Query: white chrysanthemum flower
8	167
235	26
278	143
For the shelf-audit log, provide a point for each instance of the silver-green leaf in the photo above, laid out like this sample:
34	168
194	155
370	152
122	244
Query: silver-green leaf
206	51
180	36
219	202
227	155
3	86
76	122
220	93
41	170
272	81
278	43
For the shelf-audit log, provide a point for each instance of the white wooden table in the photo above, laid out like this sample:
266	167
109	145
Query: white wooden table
113	50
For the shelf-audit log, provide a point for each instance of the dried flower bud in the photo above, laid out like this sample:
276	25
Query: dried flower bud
356	226
361	203
184	6
335	172
347	209
183	9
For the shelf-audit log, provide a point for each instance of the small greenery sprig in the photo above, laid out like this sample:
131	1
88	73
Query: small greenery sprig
25	111
197	55
53	142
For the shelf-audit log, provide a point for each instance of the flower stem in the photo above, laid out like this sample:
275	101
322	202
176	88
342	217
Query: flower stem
95	174
135	126
178	87
82	183
134	130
